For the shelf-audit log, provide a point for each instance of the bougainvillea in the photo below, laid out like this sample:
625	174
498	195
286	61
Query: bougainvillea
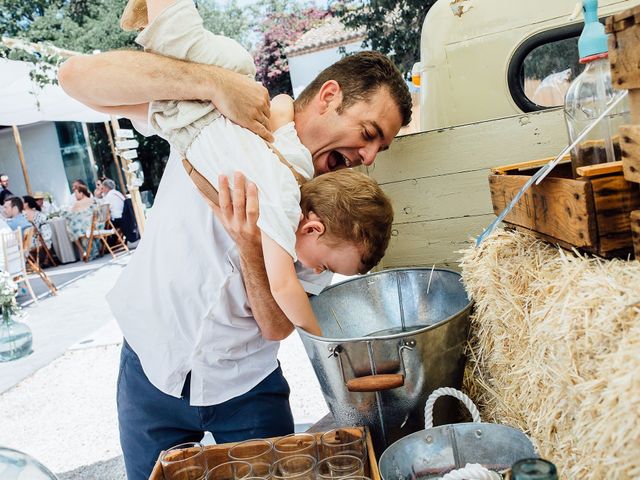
279	31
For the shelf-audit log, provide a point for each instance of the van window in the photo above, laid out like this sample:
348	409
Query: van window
543	66
549	70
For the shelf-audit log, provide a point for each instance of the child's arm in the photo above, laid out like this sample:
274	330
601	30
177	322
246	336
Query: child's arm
281	111
285	287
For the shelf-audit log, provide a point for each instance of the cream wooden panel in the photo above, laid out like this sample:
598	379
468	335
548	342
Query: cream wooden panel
433	198
438	181
472	147
433	242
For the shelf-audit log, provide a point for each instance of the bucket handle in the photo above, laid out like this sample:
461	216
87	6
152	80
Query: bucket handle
375	383
452	392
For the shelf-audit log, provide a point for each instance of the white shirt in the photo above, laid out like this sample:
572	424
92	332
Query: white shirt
182	305
116	203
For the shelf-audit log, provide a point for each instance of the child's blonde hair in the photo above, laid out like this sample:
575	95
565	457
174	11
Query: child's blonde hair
353	209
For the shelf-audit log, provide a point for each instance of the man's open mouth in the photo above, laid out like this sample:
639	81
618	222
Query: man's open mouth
336	161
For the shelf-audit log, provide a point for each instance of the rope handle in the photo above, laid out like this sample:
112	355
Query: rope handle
472	471
452	392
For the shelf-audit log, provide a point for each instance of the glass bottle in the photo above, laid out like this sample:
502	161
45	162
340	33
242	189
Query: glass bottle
534	469
589	95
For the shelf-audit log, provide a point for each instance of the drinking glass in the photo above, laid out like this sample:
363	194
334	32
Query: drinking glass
184	462
294	467
233	470
339	466
258	452
296	444
341	441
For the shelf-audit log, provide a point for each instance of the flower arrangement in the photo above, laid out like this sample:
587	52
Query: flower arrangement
8	303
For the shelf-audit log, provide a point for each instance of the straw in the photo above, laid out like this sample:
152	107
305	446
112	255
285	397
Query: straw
555	351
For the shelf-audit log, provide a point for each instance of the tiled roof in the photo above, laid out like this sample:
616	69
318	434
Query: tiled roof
330	33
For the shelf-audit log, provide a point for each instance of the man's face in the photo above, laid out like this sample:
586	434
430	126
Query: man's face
8	209
356	135
4	181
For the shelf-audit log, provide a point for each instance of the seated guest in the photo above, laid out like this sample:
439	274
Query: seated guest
83	199
34	215
114	199
44	205
4	188
13	207
98	194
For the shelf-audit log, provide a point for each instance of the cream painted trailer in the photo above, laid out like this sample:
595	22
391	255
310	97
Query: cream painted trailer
484	64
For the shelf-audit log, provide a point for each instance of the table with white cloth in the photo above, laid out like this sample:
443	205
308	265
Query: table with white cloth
65	251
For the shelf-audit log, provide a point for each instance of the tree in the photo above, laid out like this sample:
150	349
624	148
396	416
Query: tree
280	29
392	27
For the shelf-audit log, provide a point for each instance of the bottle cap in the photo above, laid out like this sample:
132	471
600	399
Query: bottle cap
593	40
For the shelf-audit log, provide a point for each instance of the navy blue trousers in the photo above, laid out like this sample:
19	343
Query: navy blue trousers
151	421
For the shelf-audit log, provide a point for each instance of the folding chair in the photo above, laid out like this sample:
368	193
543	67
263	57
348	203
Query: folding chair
41	246
14	258
101	229
31	265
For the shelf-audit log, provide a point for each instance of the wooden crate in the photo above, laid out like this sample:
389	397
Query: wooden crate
635	232
590	212
217	454
624	55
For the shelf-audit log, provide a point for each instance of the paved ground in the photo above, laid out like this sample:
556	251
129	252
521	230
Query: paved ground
58	404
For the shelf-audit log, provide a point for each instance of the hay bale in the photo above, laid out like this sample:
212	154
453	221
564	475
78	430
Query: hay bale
555	351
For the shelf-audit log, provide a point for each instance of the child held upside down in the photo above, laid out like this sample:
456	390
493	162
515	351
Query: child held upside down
339	221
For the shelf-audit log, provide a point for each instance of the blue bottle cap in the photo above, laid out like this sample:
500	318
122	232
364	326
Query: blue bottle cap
593	40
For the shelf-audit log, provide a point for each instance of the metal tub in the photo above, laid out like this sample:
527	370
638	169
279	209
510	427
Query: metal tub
390	339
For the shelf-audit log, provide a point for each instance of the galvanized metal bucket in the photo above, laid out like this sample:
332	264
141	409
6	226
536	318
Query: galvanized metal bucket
435	451
390	339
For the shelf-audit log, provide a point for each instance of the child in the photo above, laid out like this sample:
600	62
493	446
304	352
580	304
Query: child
340	221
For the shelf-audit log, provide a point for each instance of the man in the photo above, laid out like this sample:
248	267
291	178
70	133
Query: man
114	199
200	324
13	207
4	184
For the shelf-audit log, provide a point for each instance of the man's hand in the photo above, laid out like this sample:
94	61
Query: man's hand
238	212
243	101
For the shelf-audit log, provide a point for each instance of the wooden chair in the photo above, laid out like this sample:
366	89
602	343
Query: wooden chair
14	258
41	246
101	229
33	266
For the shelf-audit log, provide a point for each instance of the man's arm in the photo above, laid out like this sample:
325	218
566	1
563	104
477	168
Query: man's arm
123	82
239	218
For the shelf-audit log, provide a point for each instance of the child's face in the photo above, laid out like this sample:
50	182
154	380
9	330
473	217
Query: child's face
316	253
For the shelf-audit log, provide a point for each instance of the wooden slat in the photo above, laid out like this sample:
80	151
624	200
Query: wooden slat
527	165
635	232
472	147
436	198
436	242
624	54
600	169
631	15
614	199
634	103
557	207
630	146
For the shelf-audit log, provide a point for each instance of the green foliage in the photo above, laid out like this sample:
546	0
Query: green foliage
280	28
392	27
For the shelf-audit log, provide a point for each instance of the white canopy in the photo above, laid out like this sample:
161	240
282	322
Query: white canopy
22	101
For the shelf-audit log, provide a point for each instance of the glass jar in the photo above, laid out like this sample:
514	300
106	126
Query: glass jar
16	339
534	469
15	465
587	97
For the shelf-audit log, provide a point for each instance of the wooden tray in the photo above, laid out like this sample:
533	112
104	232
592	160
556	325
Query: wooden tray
217	454
591	213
